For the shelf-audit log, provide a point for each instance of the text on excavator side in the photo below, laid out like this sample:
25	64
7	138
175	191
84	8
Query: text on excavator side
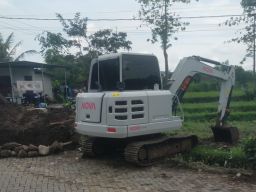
88	105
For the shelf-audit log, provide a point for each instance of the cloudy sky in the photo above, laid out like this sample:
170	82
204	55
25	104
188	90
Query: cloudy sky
203	37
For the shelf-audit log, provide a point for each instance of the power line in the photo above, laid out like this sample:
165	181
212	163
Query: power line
35	31
115	19
210	16
184	9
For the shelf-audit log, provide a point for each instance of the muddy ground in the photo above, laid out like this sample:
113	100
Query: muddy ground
27	125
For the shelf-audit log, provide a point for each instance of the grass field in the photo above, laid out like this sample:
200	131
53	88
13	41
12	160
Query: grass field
211	96
200	113
203	129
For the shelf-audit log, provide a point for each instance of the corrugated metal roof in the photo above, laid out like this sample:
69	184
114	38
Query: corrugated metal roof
29	64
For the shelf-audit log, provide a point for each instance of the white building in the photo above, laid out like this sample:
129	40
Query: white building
22	71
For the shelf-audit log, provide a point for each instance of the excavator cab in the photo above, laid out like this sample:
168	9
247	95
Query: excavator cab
126	72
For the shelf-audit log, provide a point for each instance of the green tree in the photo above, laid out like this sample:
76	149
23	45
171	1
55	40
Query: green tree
75	47
243	78
247	34
8	50
105	41
101	42
163	22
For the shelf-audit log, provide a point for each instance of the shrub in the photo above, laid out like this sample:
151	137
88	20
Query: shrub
249	91
249	94
249	147
233	158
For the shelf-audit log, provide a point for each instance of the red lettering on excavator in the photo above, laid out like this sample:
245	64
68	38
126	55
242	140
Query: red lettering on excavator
134	128
186	83
88	105
208	69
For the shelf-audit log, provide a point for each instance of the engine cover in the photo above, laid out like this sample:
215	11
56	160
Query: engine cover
89	107
125	114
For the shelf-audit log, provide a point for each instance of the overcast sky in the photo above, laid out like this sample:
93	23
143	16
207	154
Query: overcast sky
203	37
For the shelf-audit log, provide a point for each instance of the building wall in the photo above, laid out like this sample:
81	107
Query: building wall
47	83
19	73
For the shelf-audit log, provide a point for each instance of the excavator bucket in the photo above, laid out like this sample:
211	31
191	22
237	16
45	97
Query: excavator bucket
225	134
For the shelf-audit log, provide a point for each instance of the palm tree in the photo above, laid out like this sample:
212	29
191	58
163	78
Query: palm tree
7	51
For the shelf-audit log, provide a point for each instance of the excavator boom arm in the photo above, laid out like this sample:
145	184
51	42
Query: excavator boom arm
189	67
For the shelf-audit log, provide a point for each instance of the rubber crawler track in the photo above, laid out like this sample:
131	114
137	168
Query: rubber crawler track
141	152
87	144
154	150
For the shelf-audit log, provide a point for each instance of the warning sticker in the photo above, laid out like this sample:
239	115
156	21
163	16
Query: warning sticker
116	94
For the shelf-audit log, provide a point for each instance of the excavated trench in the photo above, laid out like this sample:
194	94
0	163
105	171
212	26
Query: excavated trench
33	127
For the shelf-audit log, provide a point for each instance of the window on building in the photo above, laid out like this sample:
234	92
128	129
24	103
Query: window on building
27	78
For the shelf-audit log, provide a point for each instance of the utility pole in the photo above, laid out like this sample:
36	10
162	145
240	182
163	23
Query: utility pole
254	49
165	44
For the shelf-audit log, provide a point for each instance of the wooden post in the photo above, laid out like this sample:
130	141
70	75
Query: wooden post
42	72
11	78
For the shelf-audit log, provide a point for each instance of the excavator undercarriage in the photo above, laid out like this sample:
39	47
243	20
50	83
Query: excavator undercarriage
147	150
141	151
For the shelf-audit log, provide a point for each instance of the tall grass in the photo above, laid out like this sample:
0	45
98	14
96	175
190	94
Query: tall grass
234	116
234	157
241	106
211	96
200	110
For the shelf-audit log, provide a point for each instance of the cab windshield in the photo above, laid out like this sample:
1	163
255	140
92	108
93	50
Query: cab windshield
140	72
108	75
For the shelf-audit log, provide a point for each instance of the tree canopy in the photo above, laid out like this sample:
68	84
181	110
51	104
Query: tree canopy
163	22
75	46
8	49
245	35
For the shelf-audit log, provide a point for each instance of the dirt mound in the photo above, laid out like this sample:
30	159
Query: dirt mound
35	126
2	100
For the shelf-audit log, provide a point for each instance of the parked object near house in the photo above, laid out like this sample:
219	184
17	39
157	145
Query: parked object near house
18	77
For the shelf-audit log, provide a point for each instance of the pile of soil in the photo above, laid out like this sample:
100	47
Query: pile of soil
34	126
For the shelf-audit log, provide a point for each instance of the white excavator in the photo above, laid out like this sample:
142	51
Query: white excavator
126	108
